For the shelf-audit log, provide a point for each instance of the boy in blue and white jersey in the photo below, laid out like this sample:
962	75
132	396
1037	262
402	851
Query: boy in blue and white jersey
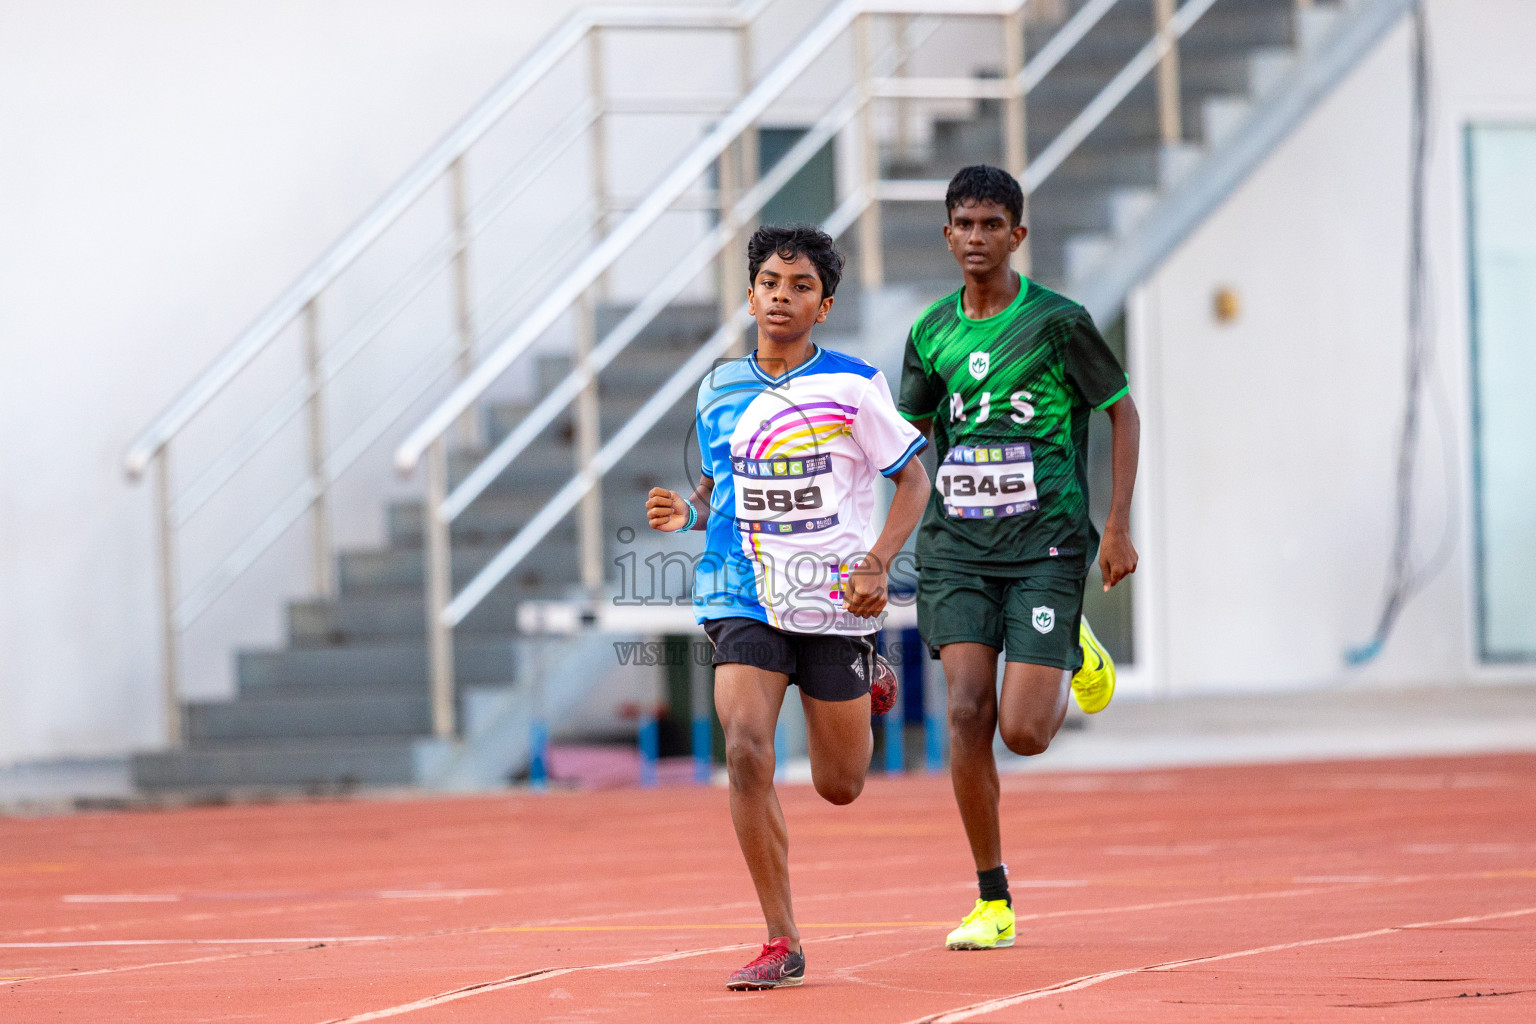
792	587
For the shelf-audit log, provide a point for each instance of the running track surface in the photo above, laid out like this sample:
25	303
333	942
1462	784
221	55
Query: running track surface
1360	891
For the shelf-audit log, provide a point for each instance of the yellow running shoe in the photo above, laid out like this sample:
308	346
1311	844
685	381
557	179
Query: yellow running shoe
989	925
1094	683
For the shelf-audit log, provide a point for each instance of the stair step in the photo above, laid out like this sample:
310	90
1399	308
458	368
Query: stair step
1084	253
1314	24
320	765
1128	206
370	666
348	712
1267	68
399	569
400	618
613	412
1174	162
496	518
1222	116
547	468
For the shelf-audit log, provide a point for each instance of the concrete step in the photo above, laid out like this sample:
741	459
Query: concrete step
496	518
1221	116
401	618
396	570
1127	207
614	412
1313	25
488	662
682	325
324	765
1267	68
350	712
546	468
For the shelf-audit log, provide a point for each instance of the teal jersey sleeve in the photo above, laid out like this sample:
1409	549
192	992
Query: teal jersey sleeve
1091	367
921	390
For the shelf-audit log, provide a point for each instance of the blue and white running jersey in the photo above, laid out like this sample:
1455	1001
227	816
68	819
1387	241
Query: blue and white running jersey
794	460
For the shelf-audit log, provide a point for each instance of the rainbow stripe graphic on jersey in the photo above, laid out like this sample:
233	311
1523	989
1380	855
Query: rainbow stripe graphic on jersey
793	502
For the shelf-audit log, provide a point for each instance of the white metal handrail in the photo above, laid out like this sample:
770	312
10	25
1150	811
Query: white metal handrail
417	181
448	610
693	165
444	163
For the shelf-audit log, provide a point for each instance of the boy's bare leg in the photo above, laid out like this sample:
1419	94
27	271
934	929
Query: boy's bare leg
1033	705
840	744
748	701
970	674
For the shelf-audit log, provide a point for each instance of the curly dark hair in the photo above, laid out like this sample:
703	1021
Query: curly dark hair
983	183
789	241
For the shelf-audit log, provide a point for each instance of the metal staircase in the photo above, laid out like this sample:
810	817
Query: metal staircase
1128	121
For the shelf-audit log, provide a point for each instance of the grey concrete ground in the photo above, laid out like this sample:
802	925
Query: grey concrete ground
61	784
1310	726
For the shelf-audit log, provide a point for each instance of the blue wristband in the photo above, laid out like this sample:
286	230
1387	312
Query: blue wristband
693	515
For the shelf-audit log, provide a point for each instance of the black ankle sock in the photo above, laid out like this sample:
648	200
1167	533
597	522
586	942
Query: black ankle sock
994	884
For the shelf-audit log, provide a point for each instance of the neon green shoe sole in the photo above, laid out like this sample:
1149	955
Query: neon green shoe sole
1094	683
989	925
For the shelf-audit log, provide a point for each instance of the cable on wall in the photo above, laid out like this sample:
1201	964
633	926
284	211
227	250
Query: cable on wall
1403	579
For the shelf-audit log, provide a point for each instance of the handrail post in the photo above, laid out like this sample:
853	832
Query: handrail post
170	646
738	173
732	275
468	427
588	426
588	438
902	24
748	141
439	585
319	515
871	257
1015	151
1169	116
601	200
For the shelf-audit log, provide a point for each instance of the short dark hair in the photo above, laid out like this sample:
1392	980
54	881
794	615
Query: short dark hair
789	241
983	183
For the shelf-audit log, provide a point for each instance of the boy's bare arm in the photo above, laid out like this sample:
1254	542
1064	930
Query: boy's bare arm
1117	555
667	511
867	586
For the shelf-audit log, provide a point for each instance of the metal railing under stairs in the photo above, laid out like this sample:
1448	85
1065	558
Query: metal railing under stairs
435	282
850	110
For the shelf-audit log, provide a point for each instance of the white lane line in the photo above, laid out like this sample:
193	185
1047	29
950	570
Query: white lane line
122	897
145	967
992	1005
193	942
528	977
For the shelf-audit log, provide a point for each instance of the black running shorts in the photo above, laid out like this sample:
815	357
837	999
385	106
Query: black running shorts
825	666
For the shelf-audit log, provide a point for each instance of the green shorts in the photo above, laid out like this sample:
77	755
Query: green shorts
1034	619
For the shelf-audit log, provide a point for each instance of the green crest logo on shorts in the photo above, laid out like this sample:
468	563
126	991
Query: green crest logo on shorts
981	362
1043	619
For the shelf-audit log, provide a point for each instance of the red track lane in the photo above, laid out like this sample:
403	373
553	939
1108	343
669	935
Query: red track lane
1388	890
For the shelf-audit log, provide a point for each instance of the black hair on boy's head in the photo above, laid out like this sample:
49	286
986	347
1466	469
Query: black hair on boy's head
982	183
796	240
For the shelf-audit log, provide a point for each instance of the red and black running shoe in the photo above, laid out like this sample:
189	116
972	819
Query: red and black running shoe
777	966
882	689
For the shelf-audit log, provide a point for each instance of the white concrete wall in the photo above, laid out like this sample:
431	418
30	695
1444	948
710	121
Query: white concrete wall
1267	508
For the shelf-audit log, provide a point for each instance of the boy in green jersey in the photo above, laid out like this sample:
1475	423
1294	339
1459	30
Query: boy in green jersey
1003	375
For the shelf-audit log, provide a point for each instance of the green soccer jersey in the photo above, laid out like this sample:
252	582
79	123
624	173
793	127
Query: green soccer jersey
1010	398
